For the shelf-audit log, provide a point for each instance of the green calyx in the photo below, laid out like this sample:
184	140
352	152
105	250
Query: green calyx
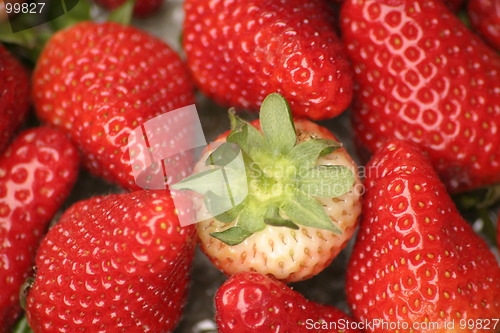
280	177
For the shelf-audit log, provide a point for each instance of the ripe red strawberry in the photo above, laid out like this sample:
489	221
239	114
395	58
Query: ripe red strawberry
241	51
416	260
485	18
142	8
251	302
101	81
37	172
299	209
118	263
423	76
14	96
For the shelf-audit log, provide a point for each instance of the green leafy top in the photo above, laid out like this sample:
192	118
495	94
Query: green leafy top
280	177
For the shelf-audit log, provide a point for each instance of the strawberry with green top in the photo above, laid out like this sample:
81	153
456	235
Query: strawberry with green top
252	302
302	196
37	173
118	263
416	260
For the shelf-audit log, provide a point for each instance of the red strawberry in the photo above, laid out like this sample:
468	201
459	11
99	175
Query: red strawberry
142	8
118	263
485	18
37	172
300	208
423	76
14	96
251	302
101	81
241	51
416	260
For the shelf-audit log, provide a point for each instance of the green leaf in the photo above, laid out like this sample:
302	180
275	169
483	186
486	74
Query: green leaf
250	220
304	210
232	236
123	14
307	153
235	121
223	155
25	38
249	139
22	326
328	181
273	218
277	123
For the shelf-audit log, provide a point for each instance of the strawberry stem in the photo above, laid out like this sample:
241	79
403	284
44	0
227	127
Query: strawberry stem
278	179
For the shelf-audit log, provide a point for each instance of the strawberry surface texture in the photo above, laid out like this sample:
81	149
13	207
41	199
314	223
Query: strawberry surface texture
37	173
251	302
99	81
14	96
241	51
416	260
485	18
118	263
423	76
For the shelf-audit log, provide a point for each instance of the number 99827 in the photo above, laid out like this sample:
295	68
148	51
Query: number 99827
24	8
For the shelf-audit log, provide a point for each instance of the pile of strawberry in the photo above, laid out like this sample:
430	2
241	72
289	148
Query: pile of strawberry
423	93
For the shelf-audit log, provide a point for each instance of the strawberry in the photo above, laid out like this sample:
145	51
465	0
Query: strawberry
241	51
37	172
99	81
14	96
485	18
142	8
298	196
416	260
251	302
424	77
118	263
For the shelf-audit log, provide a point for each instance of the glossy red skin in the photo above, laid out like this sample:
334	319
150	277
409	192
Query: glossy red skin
142	8
252	302
118	263
118	78
37	172
241	51
415	256
440	92
485	18
14	96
